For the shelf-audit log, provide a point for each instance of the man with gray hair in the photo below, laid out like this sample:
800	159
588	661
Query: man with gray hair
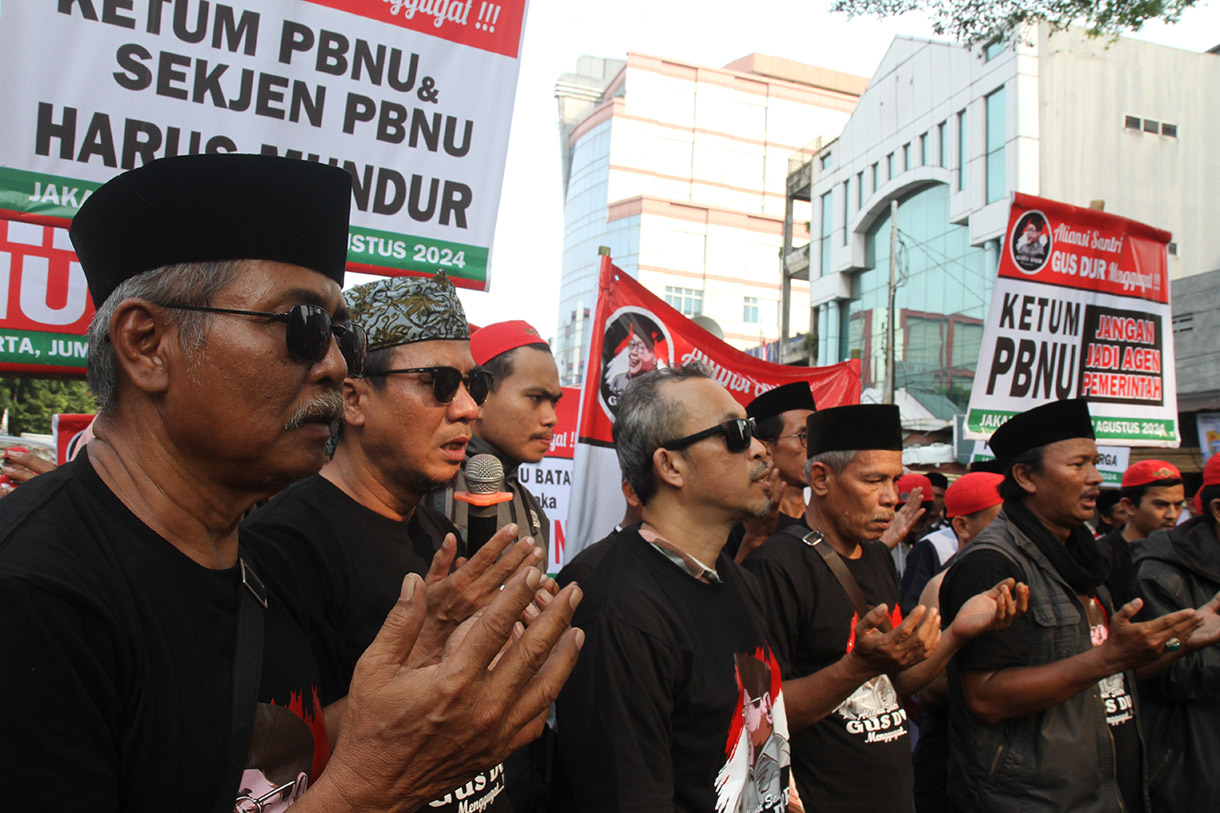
843	647
141	650
655	717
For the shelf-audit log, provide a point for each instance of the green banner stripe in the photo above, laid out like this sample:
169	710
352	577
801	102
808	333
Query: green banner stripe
421	254
47	195
45	349
986	421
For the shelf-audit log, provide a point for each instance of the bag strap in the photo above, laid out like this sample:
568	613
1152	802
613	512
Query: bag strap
834	561
247	673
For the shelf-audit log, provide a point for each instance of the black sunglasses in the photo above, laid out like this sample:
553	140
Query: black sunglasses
445	382
308	335
737	435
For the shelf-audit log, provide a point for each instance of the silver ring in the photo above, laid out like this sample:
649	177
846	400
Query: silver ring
1173	645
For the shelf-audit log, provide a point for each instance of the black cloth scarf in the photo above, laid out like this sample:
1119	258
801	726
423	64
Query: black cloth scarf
1078	562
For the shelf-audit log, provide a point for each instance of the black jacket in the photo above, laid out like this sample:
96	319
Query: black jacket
1181	707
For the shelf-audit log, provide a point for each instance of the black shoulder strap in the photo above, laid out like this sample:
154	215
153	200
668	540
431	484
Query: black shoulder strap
830	556
247	673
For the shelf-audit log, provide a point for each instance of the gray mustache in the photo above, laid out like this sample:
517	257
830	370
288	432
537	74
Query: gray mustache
326	408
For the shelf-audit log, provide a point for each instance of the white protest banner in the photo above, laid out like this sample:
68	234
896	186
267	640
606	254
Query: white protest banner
1112	461
412	97
1080	309
550	479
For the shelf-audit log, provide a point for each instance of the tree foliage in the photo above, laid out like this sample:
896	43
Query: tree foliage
32	401
975	22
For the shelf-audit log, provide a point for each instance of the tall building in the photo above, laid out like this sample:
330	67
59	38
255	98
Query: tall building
679	169
948	133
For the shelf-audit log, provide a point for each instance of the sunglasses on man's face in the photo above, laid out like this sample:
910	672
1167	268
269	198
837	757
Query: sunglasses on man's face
309	328
446	380
738	433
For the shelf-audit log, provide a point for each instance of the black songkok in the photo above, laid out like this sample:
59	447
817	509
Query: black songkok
857	428
204	208
796	395
1049	423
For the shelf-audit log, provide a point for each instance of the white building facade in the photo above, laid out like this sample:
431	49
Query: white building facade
949	134
680	169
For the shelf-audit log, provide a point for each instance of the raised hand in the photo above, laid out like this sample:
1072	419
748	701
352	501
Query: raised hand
1208	632
904	519
991	610
900	648
1135	643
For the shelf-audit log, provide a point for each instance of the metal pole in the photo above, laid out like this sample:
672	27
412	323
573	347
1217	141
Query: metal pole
890	316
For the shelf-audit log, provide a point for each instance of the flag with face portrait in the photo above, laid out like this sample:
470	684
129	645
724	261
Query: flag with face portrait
635	332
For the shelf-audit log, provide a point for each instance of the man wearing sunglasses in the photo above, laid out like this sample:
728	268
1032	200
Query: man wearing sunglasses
138	639
347	536
655	716
844	649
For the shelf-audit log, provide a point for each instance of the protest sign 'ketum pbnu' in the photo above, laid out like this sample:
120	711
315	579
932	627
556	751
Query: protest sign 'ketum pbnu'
1080	309
412	97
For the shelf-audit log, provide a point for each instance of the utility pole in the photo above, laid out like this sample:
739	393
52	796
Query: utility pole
890	316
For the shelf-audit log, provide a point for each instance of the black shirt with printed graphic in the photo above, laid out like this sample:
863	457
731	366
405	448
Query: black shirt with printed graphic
858	757
117	663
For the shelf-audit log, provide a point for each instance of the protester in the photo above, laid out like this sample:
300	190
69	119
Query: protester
1043	714
676	703
142	652
971	504
1152	497
940	483
516	423
346	537
830	586
579	568
917	489
1111	514
779	415
1180	708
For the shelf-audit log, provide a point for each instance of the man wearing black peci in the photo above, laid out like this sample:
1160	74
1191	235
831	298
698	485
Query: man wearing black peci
843	647
1043	714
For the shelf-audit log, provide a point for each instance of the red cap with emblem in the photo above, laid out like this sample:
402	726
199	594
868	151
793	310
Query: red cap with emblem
1149	471
972	493
909	482
488	342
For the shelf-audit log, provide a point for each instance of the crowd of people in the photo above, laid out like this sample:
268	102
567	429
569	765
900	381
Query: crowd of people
261	583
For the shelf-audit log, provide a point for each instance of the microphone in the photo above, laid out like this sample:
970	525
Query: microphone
484	492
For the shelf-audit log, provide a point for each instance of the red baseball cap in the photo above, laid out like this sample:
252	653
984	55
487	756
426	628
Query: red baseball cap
973	492
1211	472
1149	471
909	482
488	342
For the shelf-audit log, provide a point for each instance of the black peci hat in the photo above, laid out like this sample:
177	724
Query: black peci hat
201	208
796	395
1049	423
854	428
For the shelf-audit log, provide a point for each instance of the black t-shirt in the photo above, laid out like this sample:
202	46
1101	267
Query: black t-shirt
858	757
738	534
1014	646
117	663
676	701
347	563
1120	566
587	560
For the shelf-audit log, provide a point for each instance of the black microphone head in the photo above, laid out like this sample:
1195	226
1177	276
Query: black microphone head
484	474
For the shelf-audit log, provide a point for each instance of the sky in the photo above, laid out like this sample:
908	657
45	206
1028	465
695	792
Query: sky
527	252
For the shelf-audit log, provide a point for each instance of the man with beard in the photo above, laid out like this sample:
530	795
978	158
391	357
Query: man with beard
138	640
1153	496
830	585
653	719
347	536
515	425
1043	714
1176	569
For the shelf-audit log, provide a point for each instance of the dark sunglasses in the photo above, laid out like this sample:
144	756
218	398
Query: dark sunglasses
445	382
308	335
737	435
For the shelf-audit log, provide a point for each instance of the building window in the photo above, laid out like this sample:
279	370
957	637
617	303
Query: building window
1151	126
906	157
997	185
859	190
923	150
1132	123
962	143
687	300
992	50
827	160
1170	130
1173	249
889	167
827	224
941	145
875	173
749	311
846	208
